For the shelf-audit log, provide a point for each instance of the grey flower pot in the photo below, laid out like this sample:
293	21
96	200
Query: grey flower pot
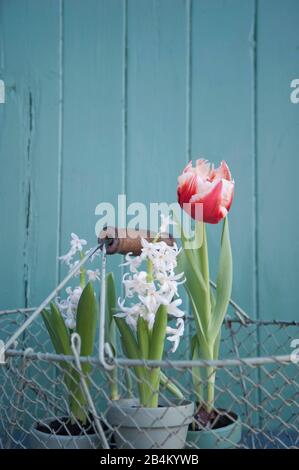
138	427
226	437
43	440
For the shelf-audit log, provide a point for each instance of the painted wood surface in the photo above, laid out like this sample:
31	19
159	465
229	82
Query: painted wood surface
106	97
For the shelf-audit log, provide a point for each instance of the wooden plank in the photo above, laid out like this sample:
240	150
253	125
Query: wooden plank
92	166
30	65
278	163
156	117
93	120
29	148
222	120
12	192
156	99
277	169
222	128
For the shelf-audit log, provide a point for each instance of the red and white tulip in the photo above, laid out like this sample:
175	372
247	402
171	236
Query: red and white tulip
203	184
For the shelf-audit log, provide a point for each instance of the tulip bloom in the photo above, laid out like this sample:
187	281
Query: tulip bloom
213	188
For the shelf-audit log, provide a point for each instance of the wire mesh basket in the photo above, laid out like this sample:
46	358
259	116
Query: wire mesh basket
257	381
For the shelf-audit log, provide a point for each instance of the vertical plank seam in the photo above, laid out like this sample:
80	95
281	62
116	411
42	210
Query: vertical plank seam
60	137
255	188
188	78
255	160
1	40
125	97
28	198
188	113
255	149
124	106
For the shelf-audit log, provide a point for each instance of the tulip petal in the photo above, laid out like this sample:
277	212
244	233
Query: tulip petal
212	207
227	193
202	184
203	168
221	172
188	167
187	188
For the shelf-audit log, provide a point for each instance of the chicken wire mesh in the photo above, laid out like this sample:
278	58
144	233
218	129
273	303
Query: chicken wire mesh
256	382
262	391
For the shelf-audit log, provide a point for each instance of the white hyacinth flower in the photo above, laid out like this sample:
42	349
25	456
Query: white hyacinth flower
164	258
133	262
77	243
169	283
151	300
173	309
176	333
68	307
149	250
74	295
70	320
130	314
136	284
67	258
155	287
93	276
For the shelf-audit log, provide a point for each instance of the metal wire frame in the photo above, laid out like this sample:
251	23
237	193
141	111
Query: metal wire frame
113	362
33	378
106	363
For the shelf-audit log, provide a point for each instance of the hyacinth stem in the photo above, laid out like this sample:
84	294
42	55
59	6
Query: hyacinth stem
129	385
143	345
149	270
156	352
151	346
114	392
82	273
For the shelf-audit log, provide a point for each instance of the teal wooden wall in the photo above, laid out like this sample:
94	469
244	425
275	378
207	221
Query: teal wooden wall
114	96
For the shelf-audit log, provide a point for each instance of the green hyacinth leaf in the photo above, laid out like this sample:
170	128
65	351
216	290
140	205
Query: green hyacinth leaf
86	322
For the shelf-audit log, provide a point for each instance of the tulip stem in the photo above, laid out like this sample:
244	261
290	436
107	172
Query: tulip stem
210	389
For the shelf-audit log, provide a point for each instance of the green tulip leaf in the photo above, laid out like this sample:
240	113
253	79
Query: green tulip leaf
223	283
